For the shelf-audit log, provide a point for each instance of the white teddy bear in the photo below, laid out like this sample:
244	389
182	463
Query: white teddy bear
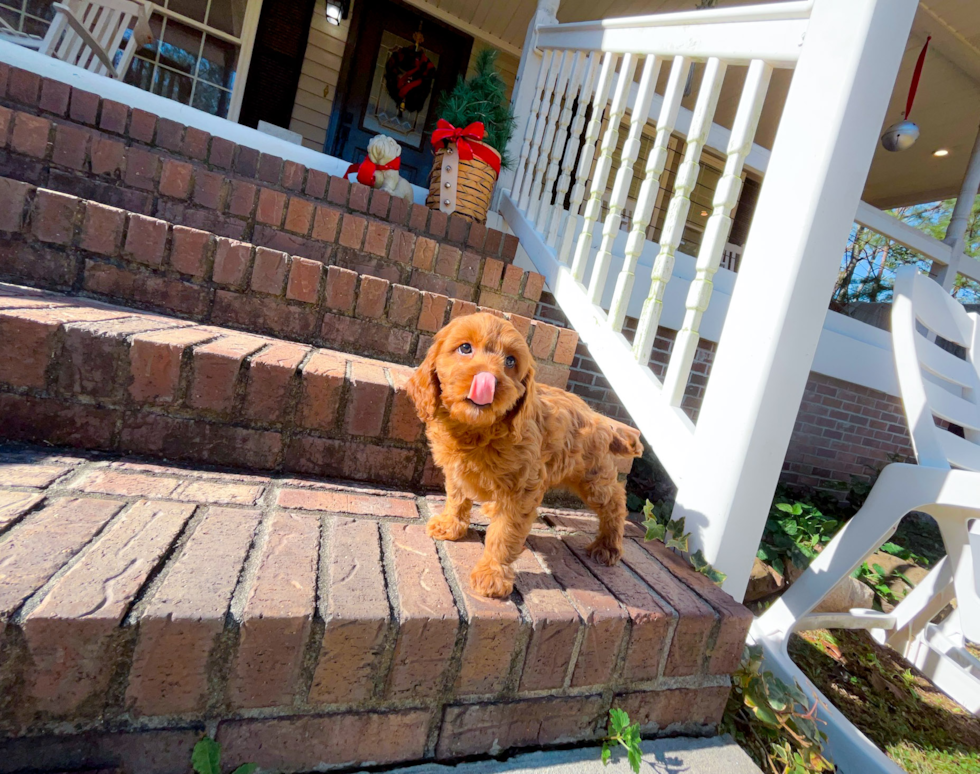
382	150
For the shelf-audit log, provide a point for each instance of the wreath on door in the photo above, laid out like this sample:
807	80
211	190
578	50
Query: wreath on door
409	76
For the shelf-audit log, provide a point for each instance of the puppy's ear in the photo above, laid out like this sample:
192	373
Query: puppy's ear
524	410
423	387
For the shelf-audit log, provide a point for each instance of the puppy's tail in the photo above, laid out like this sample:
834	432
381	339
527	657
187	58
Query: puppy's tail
625	441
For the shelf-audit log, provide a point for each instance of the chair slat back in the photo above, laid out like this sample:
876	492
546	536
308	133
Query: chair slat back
105	23
934	382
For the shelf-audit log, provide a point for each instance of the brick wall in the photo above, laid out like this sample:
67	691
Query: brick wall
59	137
841	430
59	241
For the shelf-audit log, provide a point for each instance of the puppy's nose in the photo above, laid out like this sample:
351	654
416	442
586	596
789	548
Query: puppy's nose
481	389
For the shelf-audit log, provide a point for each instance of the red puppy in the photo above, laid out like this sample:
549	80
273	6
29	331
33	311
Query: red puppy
505	440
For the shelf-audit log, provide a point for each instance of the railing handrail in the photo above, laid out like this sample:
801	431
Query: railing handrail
772	33
769	12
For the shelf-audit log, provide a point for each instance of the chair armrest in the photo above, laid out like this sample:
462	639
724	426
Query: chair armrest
142	32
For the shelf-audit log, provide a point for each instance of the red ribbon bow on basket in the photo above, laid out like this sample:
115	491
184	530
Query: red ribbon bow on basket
445	131
366	169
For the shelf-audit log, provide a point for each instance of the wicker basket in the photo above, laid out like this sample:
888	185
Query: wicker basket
475	183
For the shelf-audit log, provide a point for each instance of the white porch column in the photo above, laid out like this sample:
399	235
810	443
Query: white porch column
819	164
527	75
956	230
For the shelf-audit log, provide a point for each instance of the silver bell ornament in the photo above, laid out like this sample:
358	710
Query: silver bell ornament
900	136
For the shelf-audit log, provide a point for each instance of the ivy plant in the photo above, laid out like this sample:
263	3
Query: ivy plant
206	759
670	532
773	721
622	732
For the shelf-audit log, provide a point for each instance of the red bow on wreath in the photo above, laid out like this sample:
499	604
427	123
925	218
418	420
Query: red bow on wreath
366	169
445	131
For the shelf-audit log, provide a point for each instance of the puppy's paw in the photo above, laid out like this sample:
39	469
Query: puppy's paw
604	551
445	528
492	580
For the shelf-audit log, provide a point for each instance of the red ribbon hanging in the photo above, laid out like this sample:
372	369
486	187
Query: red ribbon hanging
467	141
915	78
366	169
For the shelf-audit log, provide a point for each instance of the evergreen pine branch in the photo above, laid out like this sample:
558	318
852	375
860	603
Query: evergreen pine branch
482	98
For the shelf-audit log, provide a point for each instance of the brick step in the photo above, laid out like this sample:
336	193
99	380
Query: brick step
69	140
57	241
86	374
313	623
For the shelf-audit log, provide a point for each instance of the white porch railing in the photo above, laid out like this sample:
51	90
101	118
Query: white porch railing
845	54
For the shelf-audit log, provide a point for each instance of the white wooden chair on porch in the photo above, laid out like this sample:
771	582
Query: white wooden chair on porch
945	484
90	34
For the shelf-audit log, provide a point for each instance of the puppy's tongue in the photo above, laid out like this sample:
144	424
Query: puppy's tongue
481	390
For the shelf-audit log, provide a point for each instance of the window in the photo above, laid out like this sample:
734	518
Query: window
196	54
30	16
194	58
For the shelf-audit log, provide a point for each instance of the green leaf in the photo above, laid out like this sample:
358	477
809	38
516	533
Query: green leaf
785	507
655	530
606	753
715	576
680	543
633	503
635	758
246	768
206	757
790	527
618	720
677	526
797	509
648	510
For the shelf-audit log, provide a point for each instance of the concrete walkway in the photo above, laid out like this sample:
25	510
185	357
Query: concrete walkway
683	755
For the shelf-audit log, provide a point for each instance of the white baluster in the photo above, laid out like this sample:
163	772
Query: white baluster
624	176
656	162
680	203
529	127
539	129
593	207
561	140
558	213
717	228
540	190
573	224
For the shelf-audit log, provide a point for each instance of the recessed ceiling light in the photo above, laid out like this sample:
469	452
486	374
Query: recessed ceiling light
940	153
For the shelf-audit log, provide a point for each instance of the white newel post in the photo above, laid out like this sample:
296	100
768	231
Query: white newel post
527	75
960	219
819	164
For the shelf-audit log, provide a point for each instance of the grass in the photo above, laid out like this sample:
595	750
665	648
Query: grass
915	724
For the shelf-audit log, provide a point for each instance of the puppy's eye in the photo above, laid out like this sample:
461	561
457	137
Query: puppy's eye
465	349
511	361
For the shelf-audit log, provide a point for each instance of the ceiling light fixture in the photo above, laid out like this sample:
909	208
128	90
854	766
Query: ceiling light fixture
940	153
337	10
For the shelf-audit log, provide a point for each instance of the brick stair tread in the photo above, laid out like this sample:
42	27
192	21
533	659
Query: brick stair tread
61	242
92	375
274	604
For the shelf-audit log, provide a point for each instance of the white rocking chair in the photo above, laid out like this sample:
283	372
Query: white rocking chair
933	383
89	33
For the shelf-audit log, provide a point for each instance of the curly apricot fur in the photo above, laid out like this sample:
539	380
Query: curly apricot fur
508	454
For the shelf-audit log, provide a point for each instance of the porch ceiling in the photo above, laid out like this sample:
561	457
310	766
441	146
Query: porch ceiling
947	107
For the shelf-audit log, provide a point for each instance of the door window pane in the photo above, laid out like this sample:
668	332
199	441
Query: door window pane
180	47
218	61
227	16
192	9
